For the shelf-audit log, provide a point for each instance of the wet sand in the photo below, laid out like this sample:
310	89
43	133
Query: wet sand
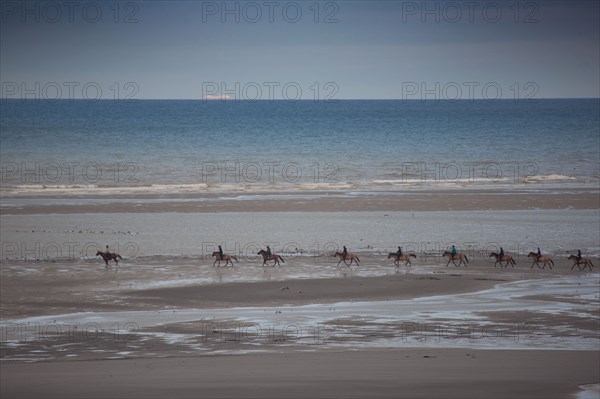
427	200
411	373
45	288
172	355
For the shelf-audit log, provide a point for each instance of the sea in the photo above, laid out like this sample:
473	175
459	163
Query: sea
87	147
85	152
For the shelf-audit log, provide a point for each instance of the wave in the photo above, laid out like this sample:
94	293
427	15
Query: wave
472	180
542	178
374	185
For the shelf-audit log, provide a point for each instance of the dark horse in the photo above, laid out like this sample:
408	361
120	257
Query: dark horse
107	257
267	257
459	255
505	258
225	257
405	257
537	259
585	261
348	256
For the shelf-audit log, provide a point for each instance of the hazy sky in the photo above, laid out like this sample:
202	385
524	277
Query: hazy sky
265	49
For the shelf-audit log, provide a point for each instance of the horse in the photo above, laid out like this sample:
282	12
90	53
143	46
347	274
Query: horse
267	257
348	255
537	259
459	255
505	258
404	257
111	256
586	262
225	257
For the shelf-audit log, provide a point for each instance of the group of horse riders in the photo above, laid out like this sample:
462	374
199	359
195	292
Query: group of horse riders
398	254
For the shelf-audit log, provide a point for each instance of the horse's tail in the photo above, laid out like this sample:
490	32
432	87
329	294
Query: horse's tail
119	256
235	258
513	261
357	258
413	255
467	259
551	261
281	258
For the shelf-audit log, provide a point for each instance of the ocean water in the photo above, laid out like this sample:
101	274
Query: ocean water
149	146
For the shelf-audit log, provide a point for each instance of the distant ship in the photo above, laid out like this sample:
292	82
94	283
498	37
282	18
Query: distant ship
222	98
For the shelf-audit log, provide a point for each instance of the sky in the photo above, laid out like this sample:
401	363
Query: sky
323	50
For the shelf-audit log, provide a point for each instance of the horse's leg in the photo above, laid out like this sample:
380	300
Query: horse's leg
448	262
339	262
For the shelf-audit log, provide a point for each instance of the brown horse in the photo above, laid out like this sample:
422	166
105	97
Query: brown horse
225	257
348	256
111	256
459	255
404	257
505	258
537	259
586	262
267	257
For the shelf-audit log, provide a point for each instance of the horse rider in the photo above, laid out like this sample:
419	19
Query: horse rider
268	251
539	254
579	256
501	254
453	251
108	252
345	252
221	252
399	252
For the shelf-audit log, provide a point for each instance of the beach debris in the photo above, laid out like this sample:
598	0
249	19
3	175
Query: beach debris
285	288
